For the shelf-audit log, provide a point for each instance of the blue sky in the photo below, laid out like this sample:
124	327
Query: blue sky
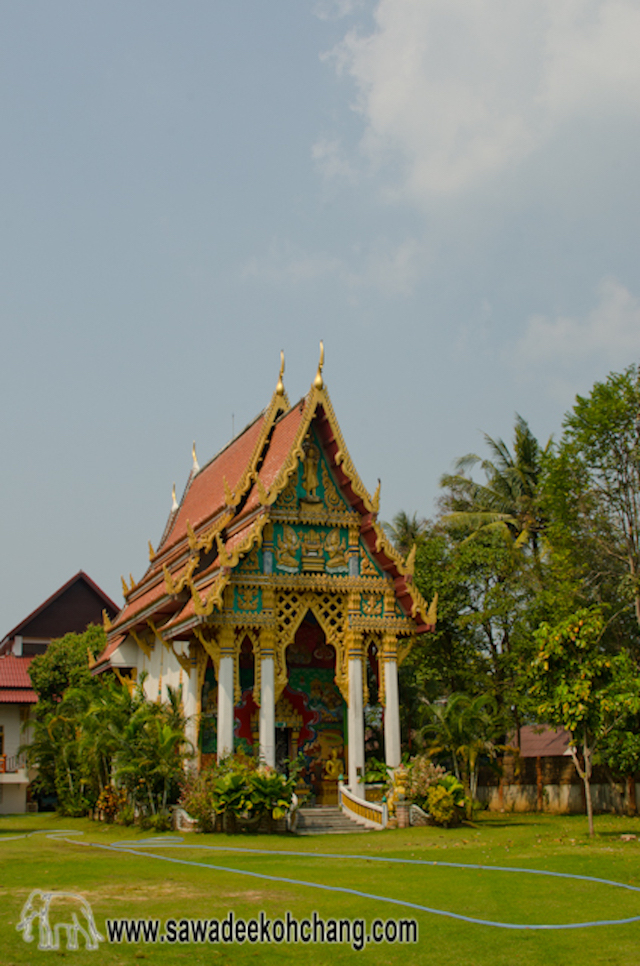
445	191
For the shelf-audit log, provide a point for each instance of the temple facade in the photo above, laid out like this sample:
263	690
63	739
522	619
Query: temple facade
275	601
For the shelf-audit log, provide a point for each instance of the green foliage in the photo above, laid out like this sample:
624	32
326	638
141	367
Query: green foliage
463	728
441	805
91	732
405	530
619	750
65	665
241	790
577	684
509	501
376	772
592	493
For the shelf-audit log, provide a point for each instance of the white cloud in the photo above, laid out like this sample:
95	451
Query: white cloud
388	269
457	91
286	265
391	270
331	161
610	332
336	9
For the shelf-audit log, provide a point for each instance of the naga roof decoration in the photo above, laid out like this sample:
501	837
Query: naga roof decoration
233	505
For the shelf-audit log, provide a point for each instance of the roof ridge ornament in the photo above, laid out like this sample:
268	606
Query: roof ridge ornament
196	465
376	499
280	386
317	382
174	502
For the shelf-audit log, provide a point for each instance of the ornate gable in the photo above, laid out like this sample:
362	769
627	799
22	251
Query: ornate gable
280	512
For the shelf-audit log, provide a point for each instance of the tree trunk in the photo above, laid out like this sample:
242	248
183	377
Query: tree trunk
632	805
616	795
539	784
587	790
585	775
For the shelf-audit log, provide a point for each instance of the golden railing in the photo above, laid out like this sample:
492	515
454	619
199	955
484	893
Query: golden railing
366	813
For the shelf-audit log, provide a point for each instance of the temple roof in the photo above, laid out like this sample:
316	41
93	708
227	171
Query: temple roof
225	507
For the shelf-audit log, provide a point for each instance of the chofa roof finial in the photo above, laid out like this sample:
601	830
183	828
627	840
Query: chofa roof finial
174	502
280	386
318	383
196	465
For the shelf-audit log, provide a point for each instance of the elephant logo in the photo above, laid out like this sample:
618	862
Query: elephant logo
50	909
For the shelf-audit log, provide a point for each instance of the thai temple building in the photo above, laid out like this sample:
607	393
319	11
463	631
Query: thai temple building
275	600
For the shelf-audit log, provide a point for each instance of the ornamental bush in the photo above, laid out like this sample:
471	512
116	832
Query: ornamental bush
422	776
440	805
238	789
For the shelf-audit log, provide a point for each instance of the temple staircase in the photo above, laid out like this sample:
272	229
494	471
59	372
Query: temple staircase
325	820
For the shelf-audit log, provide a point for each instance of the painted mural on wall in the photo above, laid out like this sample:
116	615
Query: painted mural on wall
209	716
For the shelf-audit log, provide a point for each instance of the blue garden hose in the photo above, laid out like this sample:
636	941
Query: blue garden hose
176	842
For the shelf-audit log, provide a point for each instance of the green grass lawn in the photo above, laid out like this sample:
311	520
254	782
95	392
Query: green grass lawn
124	885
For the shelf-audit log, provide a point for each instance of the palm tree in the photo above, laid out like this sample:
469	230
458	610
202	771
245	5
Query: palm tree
404	531
510	499
464	727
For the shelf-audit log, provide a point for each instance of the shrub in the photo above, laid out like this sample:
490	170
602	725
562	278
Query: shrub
422	776
441	805
110	801
238	789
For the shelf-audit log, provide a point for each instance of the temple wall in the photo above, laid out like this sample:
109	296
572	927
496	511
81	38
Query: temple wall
555	798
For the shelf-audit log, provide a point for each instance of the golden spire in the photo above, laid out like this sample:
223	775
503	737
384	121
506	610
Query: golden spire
318	383
174	503
196	465
280	386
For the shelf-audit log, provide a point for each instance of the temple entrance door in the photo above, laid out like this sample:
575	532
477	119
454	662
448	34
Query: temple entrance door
283	748
311	666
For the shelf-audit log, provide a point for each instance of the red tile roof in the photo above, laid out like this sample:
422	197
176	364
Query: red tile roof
284	434
538	741
136	605
18	696
206	494
14	671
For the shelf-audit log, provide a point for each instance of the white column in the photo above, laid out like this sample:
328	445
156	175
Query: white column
225	707
267	711
355	720
190	705
391	713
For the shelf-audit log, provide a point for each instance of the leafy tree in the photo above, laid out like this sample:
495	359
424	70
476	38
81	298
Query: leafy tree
65	665
577	684
482	637
464	728
509	501
404	531
593	493
151	755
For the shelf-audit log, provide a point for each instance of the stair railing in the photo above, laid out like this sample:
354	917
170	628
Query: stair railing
370	814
